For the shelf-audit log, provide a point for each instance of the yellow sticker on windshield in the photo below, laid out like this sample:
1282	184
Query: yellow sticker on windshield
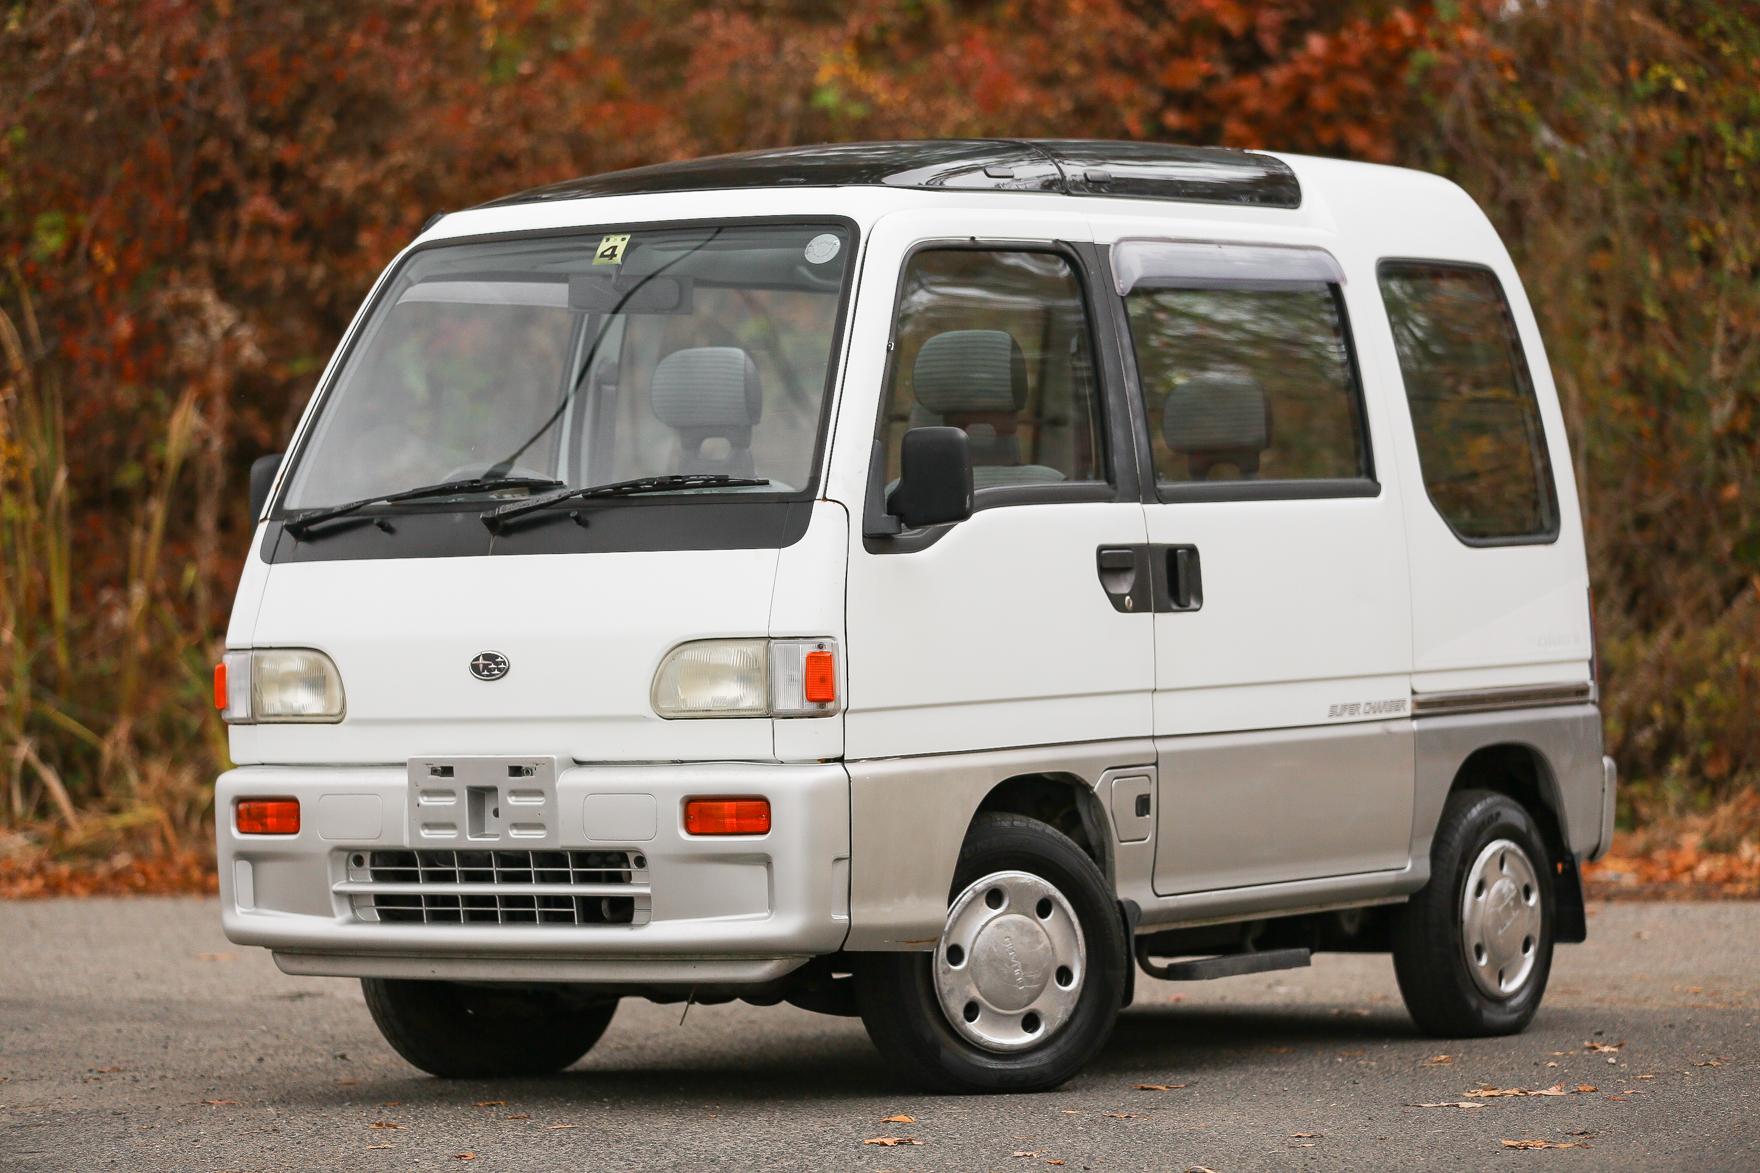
611	250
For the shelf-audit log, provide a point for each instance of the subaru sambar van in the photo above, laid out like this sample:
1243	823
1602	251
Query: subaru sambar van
925	581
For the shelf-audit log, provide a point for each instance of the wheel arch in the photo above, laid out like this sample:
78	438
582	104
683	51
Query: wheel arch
1060	800
1521	772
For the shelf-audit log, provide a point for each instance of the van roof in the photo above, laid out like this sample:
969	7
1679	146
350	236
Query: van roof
1076	167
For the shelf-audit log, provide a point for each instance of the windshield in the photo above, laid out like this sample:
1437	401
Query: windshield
586	360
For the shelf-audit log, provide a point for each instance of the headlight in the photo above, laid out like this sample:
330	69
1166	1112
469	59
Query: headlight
281	685
748	678
714	678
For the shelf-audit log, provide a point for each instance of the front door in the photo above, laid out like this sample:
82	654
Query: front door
1000	631
1283	639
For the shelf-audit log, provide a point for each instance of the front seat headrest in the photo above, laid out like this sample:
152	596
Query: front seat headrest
706	393
971	371
1218	418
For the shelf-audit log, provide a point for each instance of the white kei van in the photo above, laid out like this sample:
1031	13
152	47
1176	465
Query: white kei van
922	581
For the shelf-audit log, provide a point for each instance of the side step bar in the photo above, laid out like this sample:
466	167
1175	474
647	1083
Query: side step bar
1228	965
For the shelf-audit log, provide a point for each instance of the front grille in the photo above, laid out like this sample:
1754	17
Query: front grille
499	887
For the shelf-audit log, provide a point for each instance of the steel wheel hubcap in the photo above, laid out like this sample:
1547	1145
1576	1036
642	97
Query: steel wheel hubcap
1010	964
1500	919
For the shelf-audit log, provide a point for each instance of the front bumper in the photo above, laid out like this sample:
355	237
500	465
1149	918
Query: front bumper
718	909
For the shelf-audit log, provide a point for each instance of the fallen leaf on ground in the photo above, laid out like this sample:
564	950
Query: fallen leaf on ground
1200	1169
1546	1144
516	1117
386	1124
1710	1063
1026	1154
381	1146
1486	1091
1306	1144
1437	1060
1054	1162
1159	1087
1448	1104
106	1070
465	1156
1306	1135
233	1102
1124	1115
1583	1087
491	1103
899	1119
1602	1048
564	1126
392	1104
1620	1099
893	1141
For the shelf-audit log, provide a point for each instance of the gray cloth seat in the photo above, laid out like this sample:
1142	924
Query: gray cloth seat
1219	417
976	380
706	393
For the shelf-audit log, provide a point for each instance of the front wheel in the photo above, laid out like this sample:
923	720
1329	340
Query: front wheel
460	1031
1473	949
1024	984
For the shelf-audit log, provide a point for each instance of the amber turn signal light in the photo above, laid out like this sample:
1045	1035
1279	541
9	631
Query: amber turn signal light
268	816
819	678
727	816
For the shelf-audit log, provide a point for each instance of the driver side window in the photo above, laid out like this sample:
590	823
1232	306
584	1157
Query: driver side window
995	343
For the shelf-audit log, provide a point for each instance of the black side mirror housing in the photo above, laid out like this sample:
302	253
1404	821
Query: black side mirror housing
935	478
263	470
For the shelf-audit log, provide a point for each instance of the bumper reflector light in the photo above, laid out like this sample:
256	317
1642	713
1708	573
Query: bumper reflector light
268	816
727	816
220	686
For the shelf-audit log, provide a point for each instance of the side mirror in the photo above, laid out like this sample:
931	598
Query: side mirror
935	478
263	470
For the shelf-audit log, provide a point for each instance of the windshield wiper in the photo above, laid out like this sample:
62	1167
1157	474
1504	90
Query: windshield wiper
300	526
496	518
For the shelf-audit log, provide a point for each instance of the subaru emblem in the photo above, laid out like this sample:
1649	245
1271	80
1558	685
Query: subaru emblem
489	666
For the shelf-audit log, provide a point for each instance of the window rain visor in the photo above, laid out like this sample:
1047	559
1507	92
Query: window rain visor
588	359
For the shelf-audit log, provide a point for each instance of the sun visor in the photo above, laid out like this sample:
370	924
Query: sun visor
1188	264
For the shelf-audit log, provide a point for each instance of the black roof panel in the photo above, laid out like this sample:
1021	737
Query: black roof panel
1135	170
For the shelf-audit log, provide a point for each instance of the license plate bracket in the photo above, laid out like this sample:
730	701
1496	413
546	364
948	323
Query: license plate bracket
483	802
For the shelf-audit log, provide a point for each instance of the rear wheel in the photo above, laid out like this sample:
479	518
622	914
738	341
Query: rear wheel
1024	984
460	1031
1473	949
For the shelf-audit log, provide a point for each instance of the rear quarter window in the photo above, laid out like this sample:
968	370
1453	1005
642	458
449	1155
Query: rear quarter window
1480	442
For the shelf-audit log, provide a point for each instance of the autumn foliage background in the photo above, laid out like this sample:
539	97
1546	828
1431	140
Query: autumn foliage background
195	195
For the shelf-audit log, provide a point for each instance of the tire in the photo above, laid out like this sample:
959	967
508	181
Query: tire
1473	964
459	1031
1033	1031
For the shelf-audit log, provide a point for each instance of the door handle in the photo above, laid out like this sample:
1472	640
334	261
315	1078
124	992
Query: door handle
1179	578
1125	576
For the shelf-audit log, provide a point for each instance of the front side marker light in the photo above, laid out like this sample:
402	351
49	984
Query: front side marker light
232	688
820	678
736	815
803	678
267	816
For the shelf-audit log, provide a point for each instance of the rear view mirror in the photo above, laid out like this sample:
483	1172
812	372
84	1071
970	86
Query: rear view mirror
935	478
263	470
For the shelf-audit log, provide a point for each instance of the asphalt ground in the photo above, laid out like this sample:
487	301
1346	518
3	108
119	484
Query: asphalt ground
134	1036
